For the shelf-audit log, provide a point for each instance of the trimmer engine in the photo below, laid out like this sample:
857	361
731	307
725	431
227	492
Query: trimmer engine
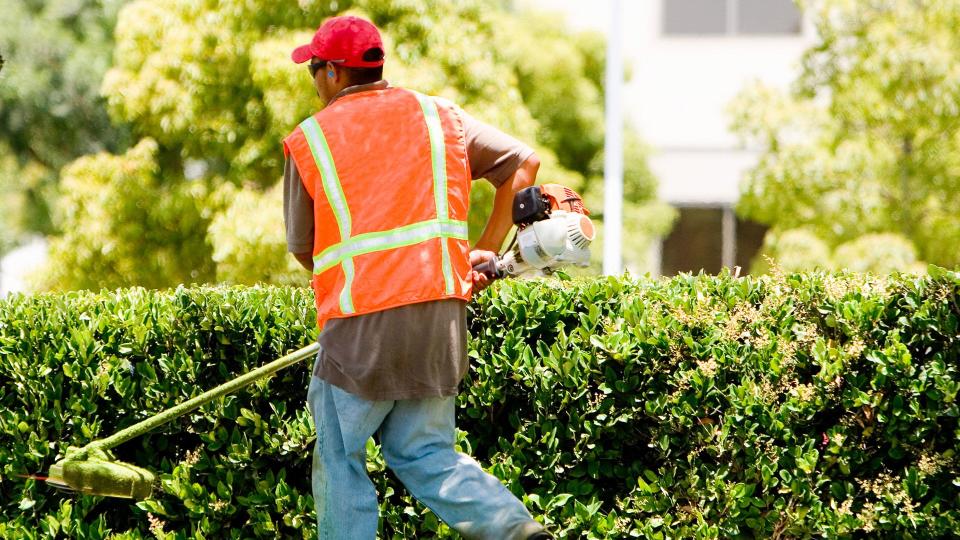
553	231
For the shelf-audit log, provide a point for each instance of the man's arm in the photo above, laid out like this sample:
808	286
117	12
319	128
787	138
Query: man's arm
305	260
501	217
508	164
298	215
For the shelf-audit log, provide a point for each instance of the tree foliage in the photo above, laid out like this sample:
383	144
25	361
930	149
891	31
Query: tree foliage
248	245
796	250
213	85
50	110
138	227
807	405
868	140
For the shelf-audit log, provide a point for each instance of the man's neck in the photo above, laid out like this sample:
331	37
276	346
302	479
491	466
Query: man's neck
382	84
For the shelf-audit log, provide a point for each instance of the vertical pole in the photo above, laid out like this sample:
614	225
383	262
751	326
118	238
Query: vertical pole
613	146
656	257
728	239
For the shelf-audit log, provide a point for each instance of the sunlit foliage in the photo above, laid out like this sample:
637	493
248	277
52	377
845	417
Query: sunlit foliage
213	85
56	53
868	140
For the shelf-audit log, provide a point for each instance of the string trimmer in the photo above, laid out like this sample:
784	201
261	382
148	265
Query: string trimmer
553	231
92	470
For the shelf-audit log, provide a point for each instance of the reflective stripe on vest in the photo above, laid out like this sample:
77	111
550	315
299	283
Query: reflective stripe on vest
438	155
407	235
338	201
343	252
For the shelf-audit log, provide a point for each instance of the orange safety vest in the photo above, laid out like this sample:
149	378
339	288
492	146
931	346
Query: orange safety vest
390	182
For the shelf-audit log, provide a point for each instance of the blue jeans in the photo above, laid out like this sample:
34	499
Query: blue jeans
416	438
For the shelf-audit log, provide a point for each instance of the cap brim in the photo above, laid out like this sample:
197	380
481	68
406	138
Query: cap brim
301	54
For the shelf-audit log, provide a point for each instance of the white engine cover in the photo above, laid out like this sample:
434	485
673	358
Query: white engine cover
561	240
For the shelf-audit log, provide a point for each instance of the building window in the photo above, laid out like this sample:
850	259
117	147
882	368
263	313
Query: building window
710	238
730	17
695	243
699	17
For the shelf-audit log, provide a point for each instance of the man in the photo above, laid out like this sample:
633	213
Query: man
376	192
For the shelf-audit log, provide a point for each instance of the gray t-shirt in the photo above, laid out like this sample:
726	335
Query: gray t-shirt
415	351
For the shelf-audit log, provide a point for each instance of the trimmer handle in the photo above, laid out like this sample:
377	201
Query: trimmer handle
490	268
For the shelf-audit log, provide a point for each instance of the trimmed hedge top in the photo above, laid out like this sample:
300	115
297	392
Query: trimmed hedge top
797	405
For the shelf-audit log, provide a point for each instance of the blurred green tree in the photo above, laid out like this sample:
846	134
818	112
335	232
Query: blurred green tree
56	53
213	85
793	250
144	225
799	250
868	141
879	253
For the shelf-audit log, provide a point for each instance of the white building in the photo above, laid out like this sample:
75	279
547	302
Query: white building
19	266
689	59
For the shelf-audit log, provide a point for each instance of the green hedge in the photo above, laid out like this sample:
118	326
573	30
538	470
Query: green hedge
792	406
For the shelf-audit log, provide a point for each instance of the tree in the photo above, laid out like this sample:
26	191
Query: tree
868	140
214	87
50	109
798	250
143	224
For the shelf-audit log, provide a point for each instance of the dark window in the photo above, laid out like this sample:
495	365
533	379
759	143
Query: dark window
730	17
699	17
695	243
767	17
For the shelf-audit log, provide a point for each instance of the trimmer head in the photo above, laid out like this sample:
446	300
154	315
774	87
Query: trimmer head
96	473
92	470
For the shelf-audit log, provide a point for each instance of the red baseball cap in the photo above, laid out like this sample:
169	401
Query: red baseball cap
345	41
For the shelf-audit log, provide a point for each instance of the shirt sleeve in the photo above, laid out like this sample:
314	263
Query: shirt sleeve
297	210
493	154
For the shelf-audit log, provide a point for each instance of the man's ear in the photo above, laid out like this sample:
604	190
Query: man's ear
338	73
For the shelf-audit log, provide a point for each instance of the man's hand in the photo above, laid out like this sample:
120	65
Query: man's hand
478	256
